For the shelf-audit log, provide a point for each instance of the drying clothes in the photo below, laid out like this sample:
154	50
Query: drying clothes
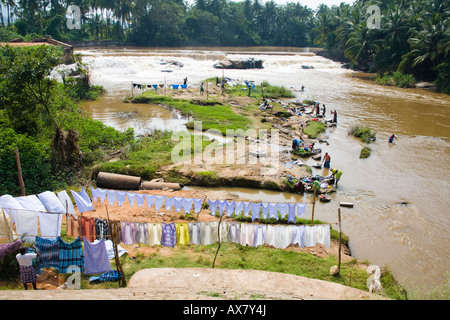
150	199
168	202
221	206
301	209
168	235
234	229
219	230
230	208
298	235
140	199
197	205
158	202
256	207
206	233
291	215
246	234
238	207
32	203
6	229
101	228
74	227
183	86
247	208
98	194
26	224
88	228
49	252
154	233
131	196
178	203
95	257
50	224
194	232
70	254
279	236
8	202
112	275
309	238
259	234
155	86
182	233
187	205
53	204
66	201
141	232
273	210
111	196
121	197
116	232
283	208
323	234
175	86
82	201
8	248
110	249
213	206
127	232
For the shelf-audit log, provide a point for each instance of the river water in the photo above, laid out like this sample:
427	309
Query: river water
400	193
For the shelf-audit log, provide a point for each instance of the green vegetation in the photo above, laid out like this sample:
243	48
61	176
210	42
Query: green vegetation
314	128
365	153
40	117
212	114
397	79
264	89
364	133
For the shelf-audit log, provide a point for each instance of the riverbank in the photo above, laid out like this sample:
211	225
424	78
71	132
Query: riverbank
257	155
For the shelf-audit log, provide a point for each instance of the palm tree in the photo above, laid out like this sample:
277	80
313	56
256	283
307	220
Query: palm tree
362	46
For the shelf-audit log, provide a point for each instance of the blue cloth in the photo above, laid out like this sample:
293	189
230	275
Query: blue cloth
112	275
221	204
49	252
213	206
265	209
82	201
247	208
140	199
273	210
168	201
175	86
256	207
111	196
178	203
121	196
70	254
131	196
300	209
197	205
291	215
187	205
238	207
158	202
95	257
168	235
230	208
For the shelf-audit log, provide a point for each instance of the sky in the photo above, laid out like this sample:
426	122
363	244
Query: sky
313	4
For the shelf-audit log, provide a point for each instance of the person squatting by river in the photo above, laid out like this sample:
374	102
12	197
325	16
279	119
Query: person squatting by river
337	174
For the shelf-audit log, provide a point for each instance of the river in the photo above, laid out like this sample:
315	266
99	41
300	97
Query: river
400	193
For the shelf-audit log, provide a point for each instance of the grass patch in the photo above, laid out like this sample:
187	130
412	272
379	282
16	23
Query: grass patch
212	114
397	79
365	153
269	91
364	133
314	128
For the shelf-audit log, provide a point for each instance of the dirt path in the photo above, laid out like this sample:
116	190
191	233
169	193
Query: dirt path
205	284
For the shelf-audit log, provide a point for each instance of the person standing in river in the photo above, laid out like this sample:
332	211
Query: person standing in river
391	138
326	160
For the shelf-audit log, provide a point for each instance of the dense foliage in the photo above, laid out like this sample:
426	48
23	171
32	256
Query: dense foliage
39	117
413	37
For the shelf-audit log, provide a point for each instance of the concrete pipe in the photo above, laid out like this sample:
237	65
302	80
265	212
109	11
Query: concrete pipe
118	181
151	185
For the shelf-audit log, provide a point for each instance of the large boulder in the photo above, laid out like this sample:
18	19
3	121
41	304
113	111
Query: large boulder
239	64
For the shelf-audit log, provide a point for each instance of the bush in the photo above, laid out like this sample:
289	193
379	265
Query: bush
364	133
365	153
314	128
397	79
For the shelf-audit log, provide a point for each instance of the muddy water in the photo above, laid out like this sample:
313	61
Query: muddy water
400	193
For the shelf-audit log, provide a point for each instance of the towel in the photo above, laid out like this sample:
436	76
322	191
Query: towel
53	204
26	224
67	202
95	257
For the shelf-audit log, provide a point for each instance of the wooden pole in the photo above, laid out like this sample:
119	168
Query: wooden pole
313	205
116	252
132	89
340	239
207	92
218	248
19	170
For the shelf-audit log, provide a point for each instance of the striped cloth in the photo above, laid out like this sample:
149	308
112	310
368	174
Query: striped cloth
49	252
101	229
70	254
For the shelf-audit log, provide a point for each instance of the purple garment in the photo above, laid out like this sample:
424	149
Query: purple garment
168	235
9	248
127	232
95	257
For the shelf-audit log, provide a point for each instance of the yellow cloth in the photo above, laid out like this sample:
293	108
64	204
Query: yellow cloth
182	231
6	229
154	233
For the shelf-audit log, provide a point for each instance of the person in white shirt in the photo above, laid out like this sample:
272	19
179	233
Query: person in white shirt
27	272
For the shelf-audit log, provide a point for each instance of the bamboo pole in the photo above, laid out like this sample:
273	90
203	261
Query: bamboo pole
218	248
116	253
313	205
19	170
340	239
